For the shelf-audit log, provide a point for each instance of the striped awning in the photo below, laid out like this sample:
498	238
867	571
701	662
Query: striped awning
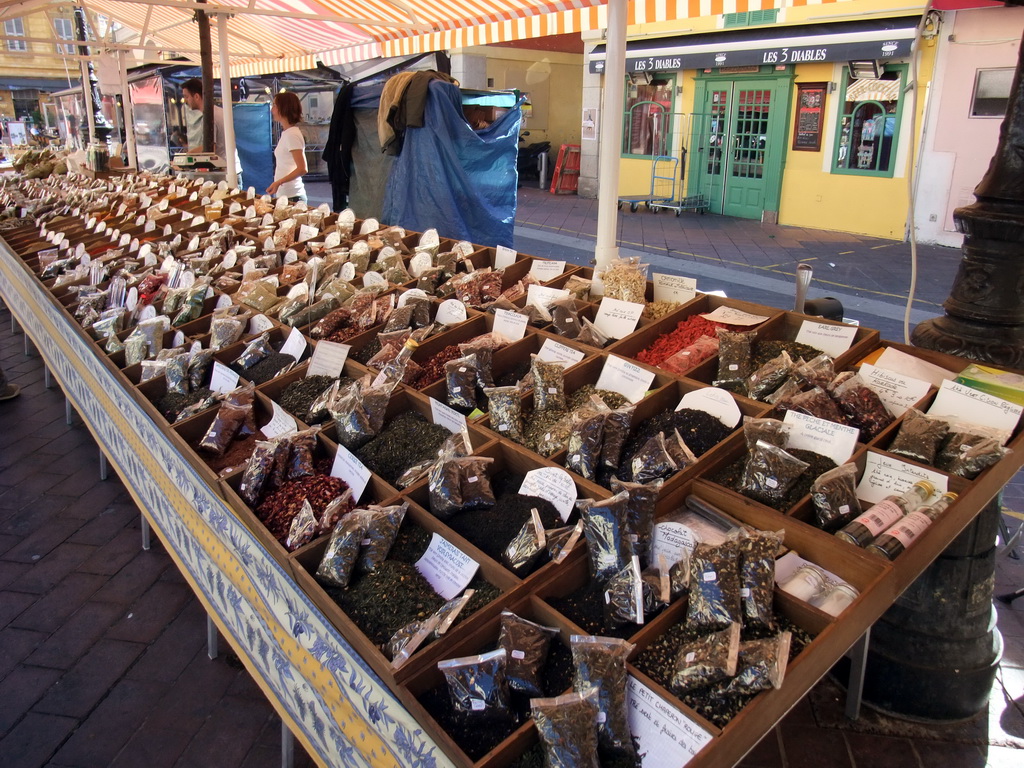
873	90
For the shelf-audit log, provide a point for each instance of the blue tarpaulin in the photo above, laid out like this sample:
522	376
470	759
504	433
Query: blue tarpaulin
254	141
459	181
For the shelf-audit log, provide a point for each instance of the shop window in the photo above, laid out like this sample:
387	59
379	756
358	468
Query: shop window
991	92
65	31
869	123
15	28
647	125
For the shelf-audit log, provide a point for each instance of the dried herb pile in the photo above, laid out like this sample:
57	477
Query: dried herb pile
731	477
406	440
699	430
298	396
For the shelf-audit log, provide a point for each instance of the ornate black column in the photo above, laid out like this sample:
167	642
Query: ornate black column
90	90
985	311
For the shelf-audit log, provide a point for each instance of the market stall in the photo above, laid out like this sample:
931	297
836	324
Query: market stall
156	302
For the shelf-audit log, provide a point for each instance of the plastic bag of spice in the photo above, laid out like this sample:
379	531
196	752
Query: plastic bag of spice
151	369
303	528
772	431
601	662
816	372
505	407
548	384
193	305
561	541
919	437
616	429
969	449
862	406
300	453
225	331
816	402
256	350
761	665
640	501
590	334
604	525
342	551
461	377
624	597
527	546
834	494
334	511
714	601
769	473
330	323
583	448
199	368
459	484
735	351
565	318
690	356
769	376
483	347
757	580
245	396
478	687
679	450
707	660
652	461
780	397
223	429
176	374
359	412
526	645
626	280
380	535
567	727
406	641
257	471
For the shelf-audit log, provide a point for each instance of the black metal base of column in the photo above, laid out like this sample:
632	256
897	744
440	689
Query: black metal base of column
987	343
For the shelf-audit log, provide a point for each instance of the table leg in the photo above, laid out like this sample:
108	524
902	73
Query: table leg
855	686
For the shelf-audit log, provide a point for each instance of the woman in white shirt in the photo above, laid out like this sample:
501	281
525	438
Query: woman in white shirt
290	152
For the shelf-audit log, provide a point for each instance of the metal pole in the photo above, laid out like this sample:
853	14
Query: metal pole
225	94
128	110
83	50
206	61
611	135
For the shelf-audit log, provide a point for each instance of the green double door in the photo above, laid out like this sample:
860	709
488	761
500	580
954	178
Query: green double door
737	150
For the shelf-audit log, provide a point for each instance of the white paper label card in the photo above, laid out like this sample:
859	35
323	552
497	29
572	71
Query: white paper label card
368	226
629	380
672	541
715	402
837	441
328	359
307	232
178	340
551	484
552	351
167	230
674	288
450	312
259	323
504	257
446	417
446	567
545	270
542	296
333	240
234	207
897	391
223	301
616	318
419	264
664	734
960	403
295	344
412	293
511	325
132	300
732	316
371	279
348	271
148	312
350	469
150	226
831	339
281	423
223	379
886	475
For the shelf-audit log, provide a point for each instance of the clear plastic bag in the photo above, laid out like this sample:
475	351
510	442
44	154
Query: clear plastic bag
565	318
256	350
834	494
526	547
617	424
769	376
526	645
757	580
604	525
334	511
919	437
342	551
461	376
567	727
258	471
199	366
679	450
624	597
460	484
591	335
505	406
817	372
548	384
652	461
761	665
769	473
735	359
583	448
772	431
303	528
969	449
687	358
380	535
225	331
300	454
406	641
223	429
601	662
706	661
176	373
192	307
714	601
478	687
359	412
641	498
862	407
626	280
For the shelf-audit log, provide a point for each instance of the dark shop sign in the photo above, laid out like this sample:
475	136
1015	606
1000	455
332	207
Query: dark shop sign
706	58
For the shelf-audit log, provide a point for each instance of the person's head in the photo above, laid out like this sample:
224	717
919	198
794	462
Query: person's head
192	93
286	109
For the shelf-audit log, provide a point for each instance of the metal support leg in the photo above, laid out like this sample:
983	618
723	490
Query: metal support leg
1010	540
287	747
28	346
147	532
14	325
855	686
47	379
68	411
103	465
211	638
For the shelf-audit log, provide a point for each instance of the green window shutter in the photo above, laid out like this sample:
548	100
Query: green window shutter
750	18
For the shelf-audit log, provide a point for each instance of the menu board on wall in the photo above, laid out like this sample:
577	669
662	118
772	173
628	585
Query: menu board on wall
810	116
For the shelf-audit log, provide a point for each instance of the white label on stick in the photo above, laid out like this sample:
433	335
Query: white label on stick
307	232
715	402
259	323
281	423
328	359
545	270
552	351
958	402
897	391
674	288
551	484
446	417
884	476
446	567
450	312
626	378
542	296
830	339
223	301
664	734
351	470
295	344
504	257
616	318
837	441
673	541
347	272
511	325
223	379
733	316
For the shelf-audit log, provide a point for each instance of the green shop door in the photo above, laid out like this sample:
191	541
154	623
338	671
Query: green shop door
740	135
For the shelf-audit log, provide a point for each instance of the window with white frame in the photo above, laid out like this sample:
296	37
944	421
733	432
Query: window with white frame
65	30
15	28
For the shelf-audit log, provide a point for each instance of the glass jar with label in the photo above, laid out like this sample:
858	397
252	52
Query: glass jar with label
836	599
881	516
907	530
806	583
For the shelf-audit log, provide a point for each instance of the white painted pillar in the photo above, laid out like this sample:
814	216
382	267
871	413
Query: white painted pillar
611	134
128	110
225	93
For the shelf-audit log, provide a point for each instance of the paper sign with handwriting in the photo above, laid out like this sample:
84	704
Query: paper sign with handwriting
713	401
552	484
259	324
884	476
223	301
446	567
542	296
893	359
281	423
509	324
223	379
665	736
897	391
733	316
837	441
629	380
674	288
307	232
328	359
294	345
450	312
545	270
960	403
673	541
504	257
830	339
446	417
616	318
552	351
351	470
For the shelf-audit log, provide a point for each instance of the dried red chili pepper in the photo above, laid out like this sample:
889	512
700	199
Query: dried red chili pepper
684	334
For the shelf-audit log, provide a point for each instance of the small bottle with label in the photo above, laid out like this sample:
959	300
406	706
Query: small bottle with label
907	530
878	518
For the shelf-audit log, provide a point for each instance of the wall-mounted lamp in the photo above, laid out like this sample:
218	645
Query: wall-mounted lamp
932	22
866	69
831	87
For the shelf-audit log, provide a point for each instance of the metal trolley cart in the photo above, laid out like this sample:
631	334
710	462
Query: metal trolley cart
664	170
695	203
